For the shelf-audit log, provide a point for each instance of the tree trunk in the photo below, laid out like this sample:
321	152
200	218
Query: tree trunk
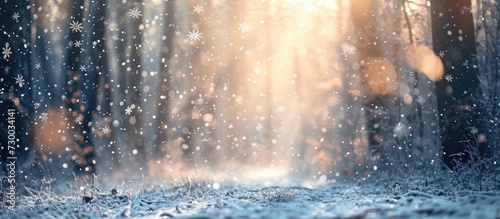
454	39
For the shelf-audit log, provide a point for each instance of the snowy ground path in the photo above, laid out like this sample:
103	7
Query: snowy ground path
202	200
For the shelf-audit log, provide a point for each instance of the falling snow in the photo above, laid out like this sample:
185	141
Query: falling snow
16	16
106	130
6	51
441	54
44	116
129	109
448	78
259	127
249	109
20	80
281	109
257	70
135	13
76	26
198	8
83	68
244	27
195	35
78	43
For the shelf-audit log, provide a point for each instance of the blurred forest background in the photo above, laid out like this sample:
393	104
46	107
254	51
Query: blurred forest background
241	89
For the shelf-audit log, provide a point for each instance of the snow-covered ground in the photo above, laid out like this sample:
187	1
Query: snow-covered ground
203	199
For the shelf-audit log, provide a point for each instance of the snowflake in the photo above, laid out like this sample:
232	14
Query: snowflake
6	51
76	26
114	37
44	116
63	138
78	120
129	109
259	127
441	54
178	33
36	105
16	16
257	70
83	68
105	130
230	126
168	156
38	65
455	54
78	43
244	27
281	108
135	13
211	89
448	78
20	80
198	8
195	35
35	16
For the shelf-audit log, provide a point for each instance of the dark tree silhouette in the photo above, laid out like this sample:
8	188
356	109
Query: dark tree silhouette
454	39
15	96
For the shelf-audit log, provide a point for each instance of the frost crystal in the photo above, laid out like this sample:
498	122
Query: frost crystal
195	35
83	68
448	78
6	51
76	26
281	108
257	70
135	13
244	27
441	54
20	80
259	127
198	8
78	43
44	116
105	130
16	16
129	109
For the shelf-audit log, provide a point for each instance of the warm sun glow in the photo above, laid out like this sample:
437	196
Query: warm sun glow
380	75
315	5
278	88
249	109
422	59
